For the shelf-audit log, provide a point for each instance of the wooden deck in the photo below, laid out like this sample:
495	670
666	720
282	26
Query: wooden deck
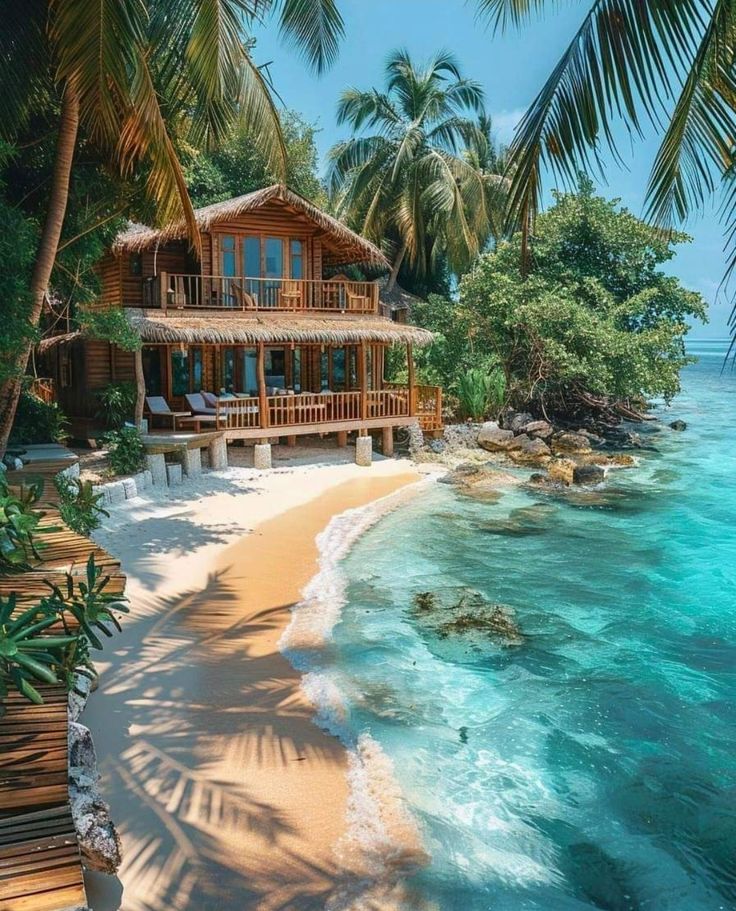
40	864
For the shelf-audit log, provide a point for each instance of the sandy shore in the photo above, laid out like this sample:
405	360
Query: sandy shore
226	794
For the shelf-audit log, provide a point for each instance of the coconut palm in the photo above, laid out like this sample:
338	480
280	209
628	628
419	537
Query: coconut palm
668	63
126	71
491	161
403	175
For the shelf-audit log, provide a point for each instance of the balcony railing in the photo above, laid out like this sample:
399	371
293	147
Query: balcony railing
176	291
319	408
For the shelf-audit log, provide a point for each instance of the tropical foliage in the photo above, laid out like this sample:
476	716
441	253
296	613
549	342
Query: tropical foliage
596	324
30	651
404	176
37	421
79	505
625	58
126	452
117	403
19	519
481	392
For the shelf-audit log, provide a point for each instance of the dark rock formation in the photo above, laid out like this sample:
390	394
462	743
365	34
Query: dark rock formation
492	438
588	474
678	425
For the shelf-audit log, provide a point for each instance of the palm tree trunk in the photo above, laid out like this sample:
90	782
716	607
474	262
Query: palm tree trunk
46	255
396	266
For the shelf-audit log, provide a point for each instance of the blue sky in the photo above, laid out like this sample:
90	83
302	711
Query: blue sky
511	68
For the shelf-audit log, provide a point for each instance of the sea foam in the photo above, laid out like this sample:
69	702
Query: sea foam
383	842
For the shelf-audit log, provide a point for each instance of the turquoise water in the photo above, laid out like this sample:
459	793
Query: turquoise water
590	761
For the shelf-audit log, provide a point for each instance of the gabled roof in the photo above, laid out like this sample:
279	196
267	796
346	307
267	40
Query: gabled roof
345	246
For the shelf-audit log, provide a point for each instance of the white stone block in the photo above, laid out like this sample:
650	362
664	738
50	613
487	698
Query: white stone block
156	464
142	480
262	456
114	492
218	454
191	462
173	474
364	451
130	488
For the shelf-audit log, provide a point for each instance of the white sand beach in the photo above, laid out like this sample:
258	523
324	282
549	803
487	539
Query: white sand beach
225	792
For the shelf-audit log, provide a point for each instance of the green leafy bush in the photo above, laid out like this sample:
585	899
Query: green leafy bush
481	392
79	505
30	653
37	421
27	657
126	452
117	403
18	521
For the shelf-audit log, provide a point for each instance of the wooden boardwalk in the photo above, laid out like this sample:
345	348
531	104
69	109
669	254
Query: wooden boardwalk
40	864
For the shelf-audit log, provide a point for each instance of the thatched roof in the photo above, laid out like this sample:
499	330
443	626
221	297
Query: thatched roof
343	245
51	341
228	329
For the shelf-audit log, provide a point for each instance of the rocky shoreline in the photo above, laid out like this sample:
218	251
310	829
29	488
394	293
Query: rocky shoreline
481	457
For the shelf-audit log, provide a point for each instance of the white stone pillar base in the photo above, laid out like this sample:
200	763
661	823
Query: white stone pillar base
156	464
174	474
262	456
191	462
218	454
364	451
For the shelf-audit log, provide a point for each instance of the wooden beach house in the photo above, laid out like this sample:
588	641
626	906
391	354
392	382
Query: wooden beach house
268	328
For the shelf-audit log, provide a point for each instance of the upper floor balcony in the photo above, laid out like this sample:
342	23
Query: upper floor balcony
178	291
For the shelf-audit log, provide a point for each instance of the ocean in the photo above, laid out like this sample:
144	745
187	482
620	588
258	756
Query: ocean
581	755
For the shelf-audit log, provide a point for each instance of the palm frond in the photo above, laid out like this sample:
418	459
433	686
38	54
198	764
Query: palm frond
621	62
315	27
505	13
22	58
698	143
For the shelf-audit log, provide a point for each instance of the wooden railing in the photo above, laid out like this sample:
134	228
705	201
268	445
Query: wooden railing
331	407
176	291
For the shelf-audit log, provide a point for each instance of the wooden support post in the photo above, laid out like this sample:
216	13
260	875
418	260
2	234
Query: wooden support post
163	289
362	382
291	441
387	441
410	371
342	438
140	384
262	399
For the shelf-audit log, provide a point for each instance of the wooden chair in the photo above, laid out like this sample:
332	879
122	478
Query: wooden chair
242	298
290	295
158	407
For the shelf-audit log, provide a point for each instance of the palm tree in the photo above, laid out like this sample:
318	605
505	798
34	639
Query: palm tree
403	176
668	63
490	160
127	71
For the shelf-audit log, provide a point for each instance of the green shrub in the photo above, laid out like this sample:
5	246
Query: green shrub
481	392
126	452
37	421
18	522
79	505
117	403
31	654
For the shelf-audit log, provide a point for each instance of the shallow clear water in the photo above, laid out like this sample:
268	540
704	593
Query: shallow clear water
590	763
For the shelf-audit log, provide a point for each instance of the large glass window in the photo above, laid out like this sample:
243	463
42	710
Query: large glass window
250	371
180	371
297	259
227	375
197	370
338	369
296	369
274	257
275	367
152	369
227	251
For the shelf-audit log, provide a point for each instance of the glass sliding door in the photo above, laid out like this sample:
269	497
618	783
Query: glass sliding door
228	268
252	266
273	263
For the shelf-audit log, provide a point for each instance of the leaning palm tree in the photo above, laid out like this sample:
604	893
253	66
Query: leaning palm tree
403	176
126	71
668	63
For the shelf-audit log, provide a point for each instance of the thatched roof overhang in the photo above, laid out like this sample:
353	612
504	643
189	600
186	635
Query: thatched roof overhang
53	341
343	246
229	329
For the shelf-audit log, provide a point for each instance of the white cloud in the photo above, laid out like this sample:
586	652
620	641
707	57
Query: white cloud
504	123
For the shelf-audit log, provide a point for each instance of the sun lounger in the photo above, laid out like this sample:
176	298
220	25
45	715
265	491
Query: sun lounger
158	407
